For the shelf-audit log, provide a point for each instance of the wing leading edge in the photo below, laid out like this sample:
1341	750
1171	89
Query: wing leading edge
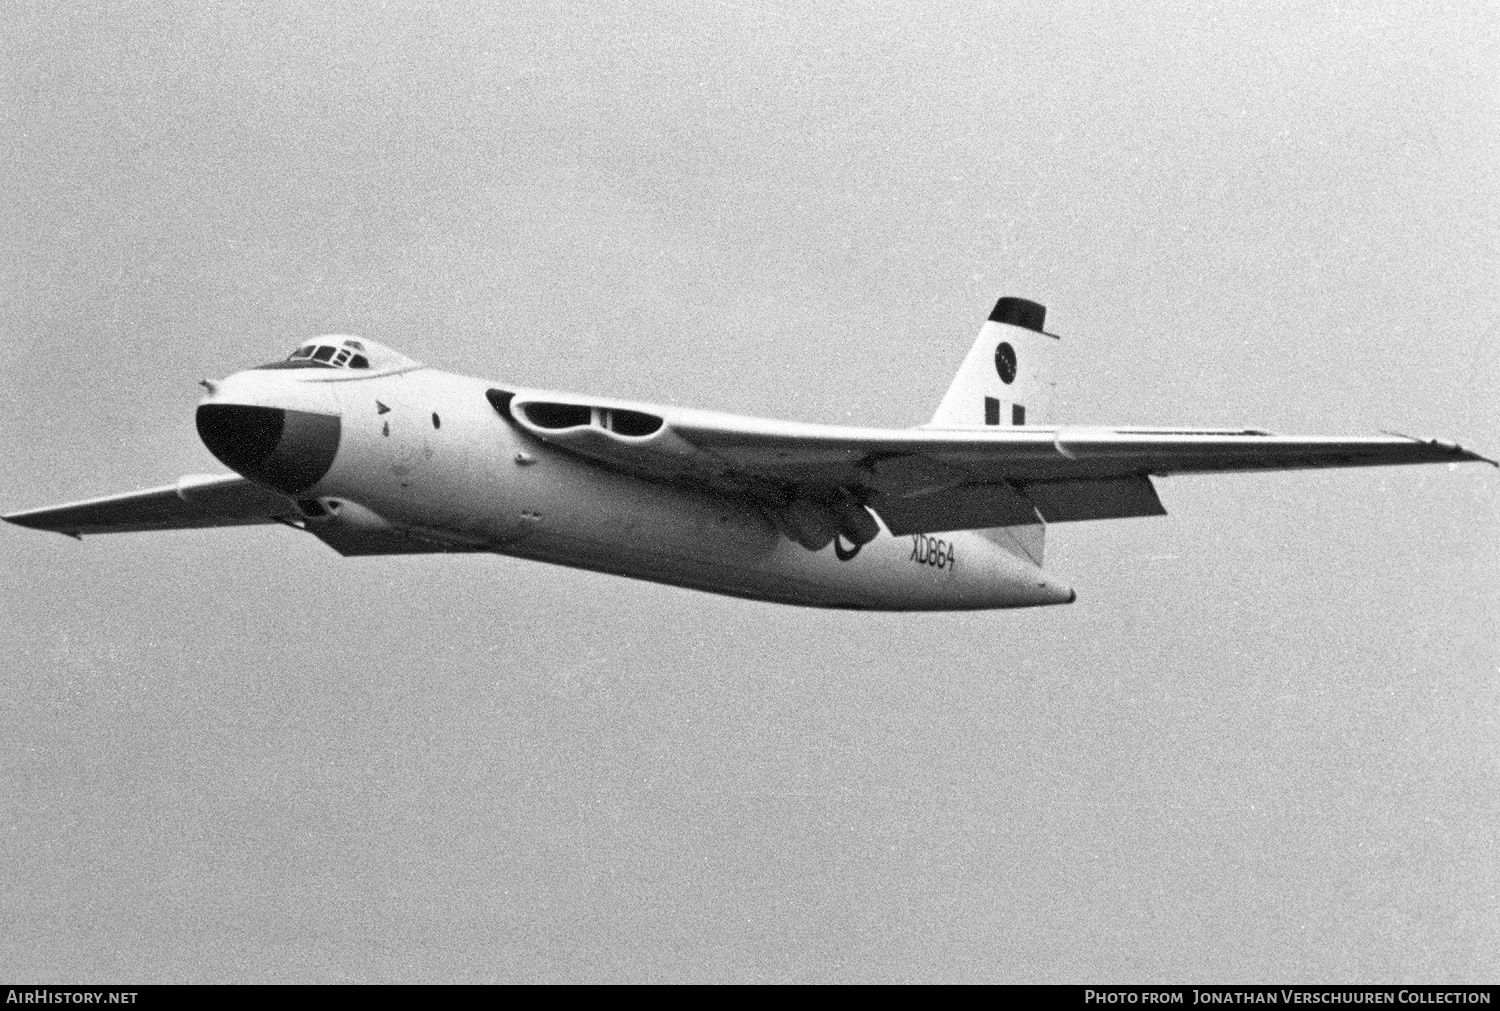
918	459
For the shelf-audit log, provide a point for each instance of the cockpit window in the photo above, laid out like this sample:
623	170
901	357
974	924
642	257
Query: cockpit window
342	356
338	352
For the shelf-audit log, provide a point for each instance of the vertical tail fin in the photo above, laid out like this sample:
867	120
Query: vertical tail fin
1005	381
1007	378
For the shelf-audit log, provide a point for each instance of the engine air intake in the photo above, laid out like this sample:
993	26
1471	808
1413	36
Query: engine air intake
632	423
550	416
555	417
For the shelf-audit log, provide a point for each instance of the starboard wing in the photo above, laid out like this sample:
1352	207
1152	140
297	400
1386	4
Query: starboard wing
934	479
966	479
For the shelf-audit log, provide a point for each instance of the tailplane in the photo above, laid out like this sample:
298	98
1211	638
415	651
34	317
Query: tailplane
1007	379
1027	542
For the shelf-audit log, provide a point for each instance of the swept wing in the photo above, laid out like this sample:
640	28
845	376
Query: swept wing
929	480
196	500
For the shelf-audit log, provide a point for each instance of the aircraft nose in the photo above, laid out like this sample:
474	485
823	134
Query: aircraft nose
285	449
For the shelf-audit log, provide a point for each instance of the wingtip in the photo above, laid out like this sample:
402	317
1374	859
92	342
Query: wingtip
1462	453
1467	454
31	521
1452	447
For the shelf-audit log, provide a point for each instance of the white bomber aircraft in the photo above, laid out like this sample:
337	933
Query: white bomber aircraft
376	454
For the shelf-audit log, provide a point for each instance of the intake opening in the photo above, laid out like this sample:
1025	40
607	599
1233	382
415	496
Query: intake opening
632	423
557	416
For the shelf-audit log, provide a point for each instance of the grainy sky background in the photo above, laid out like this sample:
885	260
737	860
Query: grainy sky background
1261	747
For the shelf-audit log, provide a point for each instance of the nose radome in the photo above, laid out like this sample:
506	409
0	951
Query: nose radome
284	449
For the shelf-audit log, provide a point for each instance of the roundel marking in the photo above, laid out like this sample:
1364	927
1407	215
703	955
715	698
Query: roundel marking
1005	362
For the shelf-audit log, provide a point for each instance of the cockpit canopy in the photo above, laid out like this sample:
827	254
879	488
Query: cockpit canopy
332	352
347	354
340	351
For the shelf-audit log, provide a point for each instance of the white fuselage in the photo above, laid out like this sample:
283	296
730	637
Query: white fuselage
428	455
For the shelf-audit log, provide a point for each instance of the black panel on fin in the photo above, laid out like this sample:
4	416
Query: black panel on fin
1020	312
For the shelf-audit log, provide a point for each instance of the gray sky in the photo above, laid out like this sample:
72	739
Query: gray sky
1261	747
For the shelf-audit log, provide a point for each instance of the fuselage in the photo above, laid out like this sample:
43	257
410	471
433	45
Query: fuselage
409	458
